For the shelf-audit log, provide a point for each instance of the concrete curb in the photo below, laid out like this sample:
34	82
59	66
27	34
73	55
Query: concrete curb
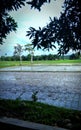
24	125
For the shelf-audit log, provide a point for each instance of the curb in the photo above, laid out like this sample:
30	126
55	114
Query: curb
24	125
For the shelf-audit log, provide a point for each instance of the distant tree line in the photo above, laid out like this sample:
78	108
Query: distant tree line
73	56
28	57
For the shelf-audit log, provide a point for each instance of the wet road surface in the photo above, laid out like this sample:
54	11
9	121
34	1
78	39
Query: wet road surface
57	88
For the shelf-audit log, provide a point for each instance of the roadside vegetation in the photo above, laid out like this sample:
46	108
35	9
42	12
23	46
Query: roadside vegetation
41	113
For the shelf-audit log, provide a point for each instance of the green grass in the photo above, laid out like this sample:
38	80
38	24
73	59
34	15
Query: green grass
52	62
40	113
13	63
42	62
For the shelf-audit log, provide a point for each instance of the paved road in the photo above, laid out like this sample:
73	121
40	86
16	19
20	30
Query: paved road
57	88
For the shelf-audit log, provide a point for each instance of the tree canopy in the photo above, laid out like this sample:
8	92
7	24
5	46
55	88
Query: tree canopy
38	3
65	30
7	23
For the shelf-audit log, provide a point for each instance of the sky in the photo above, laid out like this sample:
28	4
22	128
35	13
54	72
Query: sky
26	18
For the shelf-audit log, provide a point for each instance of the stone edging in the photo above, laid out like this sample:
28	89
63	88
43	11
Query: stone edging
6	122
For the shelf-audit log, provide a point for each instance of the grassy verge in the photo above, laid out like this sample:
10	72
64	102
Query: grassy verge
42	62
41	113
13	63
53	62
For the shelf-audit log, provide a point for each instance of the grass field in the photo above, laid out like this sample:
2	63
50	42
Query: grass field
42	62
